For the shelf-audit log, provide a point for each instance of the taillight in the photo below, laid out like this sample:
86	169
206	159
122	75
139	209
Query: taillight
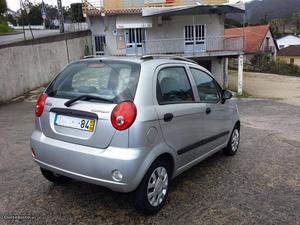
123	115
32	152
39	108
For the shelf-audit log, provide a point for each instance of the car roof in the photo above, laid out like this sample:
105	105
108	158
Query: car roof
153	60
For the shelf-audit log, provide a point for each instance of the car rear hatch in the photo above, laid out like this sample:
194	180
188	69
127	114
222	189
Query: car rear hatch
84	123
93	88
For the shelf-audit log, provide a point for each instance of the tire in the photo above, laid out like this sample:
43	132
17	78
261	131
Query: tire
54	178
158	193
233	143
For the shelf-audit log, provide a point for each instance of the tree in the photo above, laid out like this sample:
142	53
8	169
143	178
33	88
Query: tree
12	19
264	20
76	13
32	14
275	25
230	23
284	23
297	21
3	6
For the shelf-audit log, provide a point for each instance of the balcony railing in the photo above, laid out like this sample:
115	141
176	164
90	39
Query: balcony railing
92	6
181	46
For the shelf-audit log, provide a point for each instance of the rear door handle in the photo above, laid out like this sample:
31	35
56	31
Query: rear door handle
208	110
168	117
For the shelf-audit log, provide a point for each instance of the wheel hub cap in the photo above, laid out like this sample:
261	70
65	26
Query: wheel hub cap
157	186
235	140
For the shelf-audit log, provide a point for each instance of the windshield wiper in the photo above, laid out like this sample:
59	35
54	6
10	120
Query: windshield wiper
86	98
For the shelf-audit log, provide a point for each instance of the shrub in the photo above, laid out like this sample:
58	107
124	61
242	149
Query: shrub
262	62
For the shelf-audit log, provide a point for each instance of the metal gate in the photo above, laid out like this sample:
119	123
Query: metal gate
99	45
135	39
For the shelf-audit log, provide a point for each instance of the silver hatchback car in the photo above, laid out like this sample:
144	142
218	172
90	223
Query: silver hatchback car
132	125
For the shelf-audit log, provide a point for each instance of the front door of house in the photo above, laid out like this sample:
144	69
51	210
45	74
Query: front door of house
134	38
194	38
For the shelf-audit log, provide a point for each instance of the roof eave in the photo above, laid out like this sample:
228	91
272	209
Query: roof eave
192	10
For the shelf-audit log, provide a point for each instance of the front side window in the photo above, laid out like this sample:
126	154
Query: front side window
113	80
206	86
173	86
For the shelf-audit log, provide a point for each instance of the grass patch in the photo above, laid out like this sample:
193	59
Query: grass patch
232	84
4	28
234	89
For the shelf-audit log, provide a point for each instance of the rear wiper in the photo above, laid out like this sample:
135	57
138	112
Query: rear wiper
86	98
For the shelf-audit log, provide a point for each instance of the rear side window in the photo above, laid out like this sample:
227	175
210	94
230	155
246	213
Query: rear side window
206	86
173	86
112	80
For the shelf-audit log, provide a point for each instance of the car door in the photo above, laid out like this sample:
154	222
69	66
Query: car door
179	113
217	119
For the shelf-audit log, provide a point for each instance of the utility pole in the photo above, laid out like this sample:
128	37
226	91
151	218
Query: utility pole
61	16
21	7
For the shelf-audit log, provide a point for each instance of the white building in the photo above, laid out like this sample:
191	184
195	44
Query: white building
288	40
194	29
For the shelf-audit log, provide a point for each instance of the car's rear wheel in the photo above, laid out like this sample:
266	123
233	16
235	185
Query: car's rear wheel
152	192
53	177
234	142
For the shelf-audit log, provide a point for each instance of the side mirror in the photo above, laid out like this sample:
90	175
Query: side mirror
226	95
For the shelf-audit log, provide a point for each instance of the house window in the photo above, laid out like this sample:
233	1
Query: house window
99	44
189	34
199	33
281	46
268	41
292	61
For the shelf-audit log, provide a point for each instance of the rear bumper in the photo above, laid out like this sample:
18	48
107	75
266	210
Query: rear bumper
89	164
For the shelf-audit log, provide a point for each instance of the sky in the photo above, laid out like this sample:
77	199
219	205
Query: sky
15	4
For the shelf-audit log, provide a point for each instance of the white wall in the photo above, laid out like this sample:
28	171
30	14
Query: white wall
218	69
24	68
271	43
170	29
106	26
287	41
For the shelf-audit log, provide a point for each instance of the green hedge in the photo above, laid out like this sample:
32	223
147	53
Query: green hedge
263	63
4	28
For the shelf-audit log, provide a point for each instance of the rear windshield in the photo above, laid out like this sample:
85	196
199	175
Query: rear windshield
113	80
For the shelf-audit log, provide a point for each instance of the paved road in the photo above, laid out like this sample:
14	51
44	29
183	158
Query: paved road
5	39
260	185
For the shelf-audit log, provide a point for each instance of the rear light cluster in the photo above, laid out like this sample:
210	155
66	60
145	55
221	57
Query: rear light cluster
123	115
39	108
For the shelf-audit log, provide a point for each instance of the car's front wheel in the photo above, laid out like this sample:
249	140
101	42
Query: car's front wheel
234	142
152	192
53	177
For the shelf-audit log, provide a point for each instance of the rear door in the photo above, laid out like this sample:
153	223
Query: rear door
179	115
88	122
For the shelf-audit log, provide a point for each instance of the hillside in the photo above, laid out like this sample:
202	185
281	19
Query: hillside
257	9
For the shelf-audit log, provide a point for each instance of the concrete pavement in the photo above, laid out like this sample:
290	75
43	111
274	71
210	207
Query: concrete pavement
7	39
260	185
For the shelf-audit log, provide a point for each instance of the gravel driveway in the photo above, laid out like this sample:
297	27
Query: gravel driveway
260	185
265	85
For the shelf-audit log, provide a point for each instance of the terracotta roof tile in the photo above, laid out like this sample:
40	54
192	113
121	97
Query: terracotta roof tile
254	36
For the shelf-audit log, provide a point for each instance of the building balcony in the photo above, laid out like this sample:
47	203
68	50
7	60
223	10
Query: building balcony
96	7
209	46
